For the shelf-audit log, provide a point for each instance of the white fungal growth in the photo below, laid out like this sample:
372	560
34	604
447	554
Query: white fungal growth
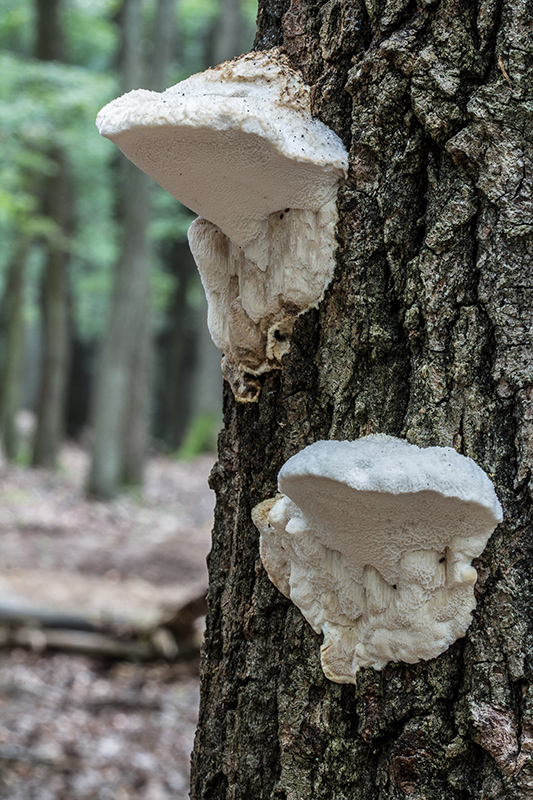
252	304
373	540
238	145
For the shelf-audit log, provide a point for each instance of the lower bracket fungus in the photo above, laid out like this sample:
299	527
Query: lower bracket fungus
238	145
373	541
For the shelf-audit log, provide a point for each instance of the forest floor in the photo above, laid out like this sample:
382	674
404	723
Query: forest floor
78	727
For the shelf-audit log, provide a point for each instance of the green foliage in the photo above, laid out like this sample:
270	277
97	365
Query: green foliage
17	25
201	437
90	33
249	10
170	219
195	23
44	106
196	20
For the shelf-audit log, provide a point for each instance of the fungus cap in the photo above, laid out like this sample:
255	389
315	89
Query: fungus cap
234	143
239	146
373	541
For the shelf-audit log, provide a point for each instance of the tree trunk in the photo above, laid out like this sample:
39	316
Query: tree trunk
424	333
55	315
13	350
189	374
111	408
136	434
177	349
48	38
120	415
206	382
164	41
229	31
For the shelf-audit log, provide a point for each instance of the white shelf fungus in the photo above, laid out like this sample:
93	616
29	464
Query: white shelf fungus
373	540
237	144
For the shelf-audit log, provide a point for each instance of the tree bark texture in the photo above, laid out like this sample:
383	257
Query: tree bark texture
424	333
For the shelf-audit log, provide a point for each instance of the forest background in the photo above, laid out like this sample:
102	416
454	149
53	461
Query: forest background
102	317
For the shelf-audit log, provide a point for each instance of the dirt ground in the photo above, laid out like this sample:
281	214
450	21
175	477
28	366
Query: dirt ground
75	727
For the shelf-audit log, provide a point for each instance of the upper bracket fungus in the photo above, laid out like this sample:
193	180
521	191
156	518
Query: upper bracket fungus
373	540
238	145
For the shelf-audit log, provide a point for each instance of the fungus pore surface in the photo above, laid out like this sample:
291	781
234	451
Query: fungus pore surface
373	541
238	145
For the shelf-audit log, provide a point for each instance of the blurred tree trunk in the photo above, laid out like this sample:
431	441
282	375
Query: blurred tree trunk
49	37
190	379
54	290
163	43
141	376
178	349
206	385
12	316
81	372
425	333
229	32
121	401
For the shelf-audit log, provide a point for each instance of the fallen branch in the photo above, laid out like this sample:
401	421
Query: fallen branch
174	636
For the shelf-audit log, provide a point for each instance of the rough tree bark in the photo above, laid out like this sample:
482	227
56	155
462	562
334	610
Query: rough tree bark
424	333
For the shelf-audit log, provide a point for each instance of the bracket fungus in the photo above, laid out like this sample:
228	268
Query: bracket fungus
238	145
373	540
